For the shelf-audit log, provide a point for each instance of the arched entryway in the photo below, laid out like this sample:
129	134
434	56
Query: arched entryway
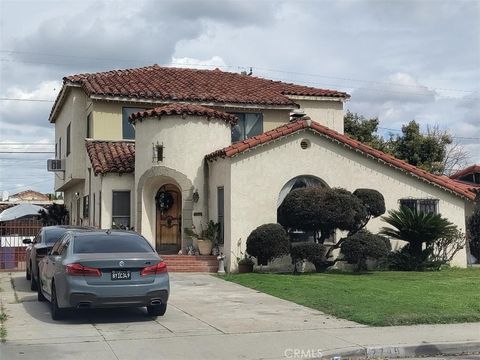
168	204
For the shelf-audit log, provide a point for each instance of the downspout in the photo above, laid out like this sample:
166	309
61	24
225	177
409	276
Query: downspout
206	189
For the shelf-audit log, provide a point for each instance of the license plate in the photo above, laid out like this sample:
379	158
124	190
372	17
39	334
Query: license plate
121	275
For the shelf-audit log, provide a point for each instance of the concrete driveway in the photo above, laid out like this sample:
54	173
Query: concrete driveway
207	318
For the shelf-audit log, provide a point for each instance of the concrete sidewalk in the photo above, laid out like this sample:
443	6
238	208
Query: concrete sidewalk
209	318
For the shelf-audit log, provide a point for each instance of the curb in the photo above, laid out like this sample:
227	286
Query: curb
404	351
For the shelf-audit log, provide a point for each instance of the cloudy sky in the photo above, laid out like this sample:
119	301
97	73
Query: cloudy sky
400	60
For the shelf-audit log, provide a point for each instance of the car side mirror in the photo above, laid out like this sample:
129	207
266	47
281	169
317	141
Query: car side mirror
27	241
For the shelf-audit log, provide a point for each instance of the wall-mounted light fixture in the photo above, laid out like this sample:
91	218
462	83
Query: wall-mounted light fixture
196	196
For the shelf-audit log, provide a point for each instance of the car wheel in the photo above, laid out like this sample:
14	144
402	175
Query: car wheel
57	313
157	310
40	296
33	282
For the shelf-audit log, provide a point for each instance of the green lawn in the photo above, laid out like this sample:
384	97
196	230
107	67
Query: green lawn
379	298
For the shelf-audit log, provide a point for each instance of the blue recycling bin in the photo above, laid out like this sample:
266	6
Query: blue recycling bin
7	258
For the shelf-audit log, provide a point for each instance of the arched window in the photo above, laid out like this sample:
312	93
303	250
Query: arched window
295	183
299	182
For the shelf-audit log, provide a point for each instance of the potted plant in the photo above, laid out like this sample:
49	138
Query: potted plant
245	265
244	261
207	238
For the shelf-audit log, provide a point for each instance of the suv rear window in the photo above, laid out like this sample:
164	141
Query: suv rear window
89	244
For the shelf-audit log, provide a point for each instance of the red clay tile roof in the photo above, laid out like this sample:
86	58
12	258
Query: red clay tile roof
475	168
464	190
179	84
111	156
185	109
30	195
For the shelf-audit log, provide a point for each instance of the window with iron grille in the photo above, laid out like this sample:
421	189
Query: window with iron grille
158	153
425	206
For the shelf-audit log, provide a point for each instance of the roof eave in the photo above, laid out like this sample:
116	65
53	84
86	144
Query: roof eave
204	103
319	98
60	100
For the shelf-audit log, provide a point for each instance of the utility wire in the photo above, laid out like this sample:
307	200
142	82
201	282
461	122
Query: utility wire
213	65
27	152
33	100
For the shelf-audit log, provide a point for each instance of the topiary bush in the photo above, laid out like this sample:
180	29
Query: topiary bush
322	210
372	200
309	251
268	242
473	226
364	245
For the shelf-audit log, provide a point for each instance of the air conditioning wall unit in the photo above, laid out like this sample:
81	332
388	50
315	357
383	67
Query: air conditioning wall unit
55	165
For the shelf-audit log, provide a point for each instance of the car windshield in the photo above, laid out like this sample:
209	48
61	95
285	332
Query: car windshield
88	244
52	235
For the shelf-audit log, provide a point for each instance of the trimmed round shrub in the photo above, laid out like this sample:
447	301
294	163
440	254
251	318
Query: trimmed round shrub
322	210
364	245
372	200
268	242
307	250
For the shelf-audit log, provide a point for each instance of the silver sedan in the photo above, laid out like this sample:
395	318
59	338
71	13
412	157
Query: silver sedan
103	269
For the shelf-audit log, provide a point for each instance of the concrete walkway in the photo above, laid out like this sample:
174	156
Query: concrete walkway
209	318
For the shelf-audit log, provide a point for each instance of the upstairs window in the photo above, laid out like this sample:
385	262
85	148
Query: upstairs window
249	125
128	131
89	126
68	139
59	148
425	206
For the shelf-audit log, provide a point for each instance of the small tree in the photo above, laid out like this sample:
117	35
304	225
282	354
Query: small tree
55	214
324	210
268	242
364	245
474	230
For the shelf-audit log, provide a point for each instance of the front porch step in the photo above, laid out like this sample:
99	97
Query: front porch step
187	263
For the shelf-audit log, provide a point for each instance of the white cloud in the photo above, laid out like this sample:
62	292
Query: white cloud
188	62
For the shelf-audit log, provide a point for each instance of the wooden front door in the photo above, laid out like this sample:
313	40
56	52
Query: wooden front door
169	220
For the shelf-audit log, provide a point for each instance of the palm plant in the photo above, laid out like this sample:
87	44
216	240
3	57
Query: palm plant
417	228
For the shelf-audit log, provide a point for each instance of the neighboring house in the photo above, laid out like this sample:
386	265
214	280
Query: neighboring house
161	149
31	196
469	175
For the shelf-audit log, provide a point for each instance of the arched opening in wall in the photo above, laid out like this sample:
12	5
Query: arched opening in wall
168	203
297	182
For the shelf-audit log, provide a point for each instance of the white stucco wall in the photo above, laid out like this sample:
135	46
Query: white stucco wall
219	176
186	142
258	176
72	112
115	182
327	112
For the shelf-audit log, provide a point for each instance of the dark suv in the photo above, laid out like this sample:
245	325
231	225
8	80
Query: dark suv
40	246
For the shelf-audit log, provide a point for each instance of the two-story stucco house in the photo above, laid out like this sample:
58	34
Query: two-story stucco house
213	145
